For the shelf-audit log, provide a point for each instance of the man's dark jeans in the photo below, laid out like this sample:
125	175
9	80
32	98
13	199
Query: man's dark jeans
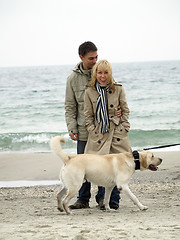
115	197
85	190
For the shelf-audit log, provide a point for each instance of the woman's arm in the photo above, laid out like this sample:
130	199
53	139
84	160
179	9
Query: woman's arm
124	110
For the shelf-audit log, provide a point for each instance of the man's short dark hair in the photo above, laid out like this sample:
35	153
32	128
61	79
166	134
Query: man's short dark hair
86	47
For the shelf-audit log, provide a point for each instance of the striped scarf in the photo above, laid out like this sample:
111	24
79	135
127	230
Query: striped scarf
102	107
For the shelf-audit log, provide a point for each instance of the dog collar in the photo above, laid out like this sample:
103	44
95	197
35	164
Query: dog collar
136	160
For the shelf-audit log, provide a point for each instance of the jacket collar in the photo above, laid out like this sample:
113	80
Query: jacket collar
79	69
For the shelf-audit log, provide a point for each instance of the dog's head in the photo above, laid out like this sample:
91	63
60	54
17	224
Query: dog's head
149	161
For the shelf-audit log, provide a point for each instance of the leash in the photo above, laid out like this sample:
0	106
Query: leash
164	146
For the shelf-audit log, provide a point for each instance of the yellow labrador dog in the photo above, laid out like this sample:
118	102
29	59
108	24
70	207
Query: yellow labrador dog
103	170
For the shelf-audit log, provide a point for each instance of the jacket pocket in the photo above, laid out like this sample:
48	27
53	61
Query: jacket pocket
79	93
95	134
120	131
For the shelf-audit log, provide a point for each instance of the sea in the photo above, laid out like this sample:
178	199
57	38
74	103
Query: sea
32	105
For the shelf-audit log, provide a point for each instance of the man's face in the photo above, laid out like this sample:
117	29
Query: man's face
89	60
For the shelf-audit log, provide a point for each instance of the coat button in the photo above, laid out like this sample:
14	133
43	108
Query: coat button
111	105
99	141
118	139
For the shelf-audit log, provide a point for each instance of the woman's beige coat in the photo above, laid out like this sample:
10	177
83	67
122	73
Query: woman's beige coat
117	140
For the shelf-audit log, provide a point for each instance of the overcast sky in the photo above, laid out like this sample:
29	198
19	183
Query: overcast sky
49	32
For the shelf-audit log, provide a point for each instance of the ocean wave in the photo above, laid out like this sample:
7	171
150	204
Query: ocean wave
31	142
149	138
39	142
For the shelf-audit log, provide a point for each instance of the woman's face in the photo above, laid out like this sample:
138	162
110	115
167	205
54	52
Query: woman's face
102	76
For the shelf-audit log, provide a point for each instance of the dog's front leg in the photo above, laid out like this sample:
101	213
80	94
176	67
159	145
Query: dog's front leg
108	191
126	189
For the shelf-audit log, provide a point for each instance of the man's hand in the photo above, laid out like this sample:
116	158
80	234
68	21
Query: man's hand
118	112
74	136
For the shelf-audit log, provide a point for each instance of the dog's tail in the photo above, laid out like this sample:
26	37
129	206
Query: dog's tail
57	149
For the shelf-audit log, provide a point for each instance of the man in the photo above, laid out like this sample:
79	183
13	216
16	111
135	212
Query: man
75	120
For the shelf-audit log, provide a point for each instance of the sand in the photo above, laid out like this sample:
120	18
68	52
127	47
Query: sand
31	212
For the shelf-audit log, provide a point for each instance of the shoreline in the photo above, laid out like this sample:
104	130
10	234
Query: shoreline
33	169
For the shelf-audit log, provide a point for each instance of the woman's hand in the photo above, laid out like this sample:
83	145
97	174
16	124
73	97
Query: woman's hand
118	112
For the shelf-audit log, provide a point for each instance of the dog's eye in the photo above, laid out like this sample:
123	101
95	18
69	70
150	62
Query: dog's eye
152	155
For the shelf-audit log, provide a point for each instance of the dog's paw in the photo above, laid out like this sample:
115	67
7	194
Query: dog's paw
143	208
108	209
60	209
69	213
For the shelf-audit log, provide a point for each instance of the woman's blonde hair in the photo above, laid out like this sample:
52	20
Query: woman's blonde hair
105	66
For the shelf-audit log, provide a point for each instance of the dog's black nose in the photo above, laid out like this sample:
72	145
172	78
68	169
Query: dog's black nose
160	159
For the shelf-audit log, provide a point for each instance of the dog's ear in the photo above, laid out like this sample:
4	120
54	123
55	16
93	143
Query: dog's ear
139	149
143	159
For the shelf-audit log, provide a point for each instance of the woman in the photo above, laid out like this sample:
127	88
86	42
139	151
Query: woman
107	132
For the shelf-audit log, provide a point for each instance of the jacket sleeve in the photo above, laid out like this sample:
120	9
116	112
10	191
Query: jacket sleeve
70	108
124	110
88	112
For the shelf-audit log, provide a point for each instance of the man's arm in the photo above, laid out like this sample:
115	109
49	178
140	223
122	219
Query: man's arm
71	111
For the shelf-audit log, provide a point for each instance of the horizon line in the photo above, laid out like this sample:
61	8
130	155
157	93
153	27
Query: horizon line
71	64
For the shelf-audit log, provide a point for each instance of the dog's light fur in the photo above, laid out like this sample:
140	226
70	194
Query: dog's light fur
103	170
